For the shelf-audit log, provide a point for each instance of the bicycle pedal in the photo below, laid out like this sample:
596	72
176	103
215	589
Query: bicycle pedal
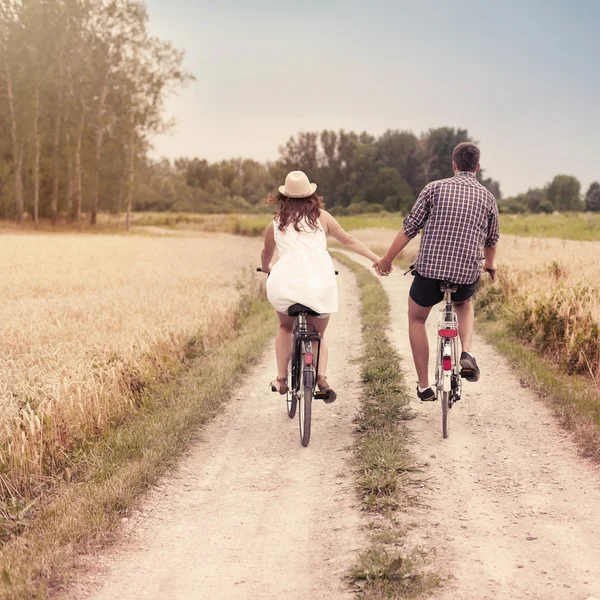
466	373
321	395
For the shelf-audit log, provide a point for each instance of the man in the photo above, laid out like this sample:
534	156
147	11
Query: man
459	219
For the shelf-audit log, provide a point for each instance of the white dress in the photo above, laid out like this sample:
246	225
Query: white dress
304	273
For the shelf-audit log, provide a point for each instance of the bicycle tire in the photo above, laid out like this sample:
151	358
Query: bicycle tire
445	411
291	404
305	414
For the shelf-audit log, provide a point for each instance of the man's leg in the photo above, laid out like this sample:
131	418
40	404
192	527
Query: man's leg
417	316
466	320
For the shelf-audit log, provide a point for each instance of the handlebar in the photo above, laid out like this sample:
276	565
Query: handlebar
412	271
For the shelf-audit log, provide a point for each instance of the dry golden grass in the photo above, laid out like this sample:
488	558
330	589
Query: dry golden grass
86	319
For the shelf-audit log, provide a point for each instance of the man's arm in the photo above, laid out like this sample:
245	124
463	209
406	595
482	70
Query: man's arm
489	251
412	225
489	255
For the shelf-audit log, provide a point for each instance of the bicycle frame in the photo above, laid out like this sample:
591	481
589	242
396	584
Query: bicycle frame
302	335
448	376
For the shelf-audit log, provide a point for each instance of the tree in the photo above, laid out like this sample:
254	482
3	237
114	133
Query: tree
592	197
564	193
400	150
389	187
82	86
11	33
533	199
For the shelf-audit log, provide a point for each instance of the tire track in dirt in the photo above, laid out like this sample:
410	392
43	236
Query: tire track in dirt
250	513
511	508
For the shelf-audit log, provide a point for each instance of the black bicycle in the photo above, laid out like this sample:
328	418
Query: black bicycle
304	369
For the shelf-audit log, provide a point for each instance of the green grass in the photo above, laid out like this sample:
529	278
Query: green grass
125	461
252	224
570	226
385	463
566	226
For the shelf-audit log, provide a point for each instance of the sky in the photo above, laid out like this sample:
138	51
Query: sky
522	76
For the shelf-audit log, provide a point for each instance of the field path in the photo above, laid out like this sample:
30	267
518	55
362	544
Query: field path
251	514
511	508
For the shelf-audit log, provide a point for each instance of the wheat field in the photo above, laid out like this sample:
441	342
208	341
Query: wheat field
83	317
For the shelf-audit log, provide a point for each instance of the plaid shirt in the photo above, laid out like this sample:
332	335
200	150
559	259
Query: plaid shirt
459	216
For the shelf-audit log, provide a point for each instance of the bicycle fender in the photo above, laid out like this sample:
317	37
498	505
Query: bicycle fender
309	378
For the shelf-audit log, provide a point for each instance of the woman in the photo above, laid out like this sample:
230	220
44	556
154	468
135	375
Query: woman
304	273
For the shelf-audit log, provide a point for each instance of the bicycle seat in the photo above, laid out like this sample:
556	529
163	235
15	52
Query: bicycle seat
446	286
296	309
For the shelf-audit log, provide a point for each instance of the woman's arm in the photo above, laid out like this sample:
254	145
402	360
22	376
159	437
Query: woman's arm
333	228
268	251
384	265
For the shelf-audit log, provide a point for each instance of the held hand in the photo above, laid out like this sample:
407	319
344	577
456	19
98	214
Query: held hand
383	267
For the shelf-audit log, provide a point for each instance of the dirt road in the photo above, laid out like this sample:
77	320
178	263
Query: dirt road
512	509
251	514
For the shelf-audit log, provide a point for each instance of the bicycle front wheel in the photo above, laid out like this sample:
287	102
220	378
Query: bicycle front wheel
445	411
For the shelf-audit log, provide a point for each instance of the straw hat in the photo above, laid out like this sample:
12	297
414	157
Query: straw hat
297	185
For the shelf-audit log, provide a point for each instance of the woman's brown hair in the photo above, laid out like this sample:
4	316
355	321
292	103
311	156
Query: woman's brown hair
294	210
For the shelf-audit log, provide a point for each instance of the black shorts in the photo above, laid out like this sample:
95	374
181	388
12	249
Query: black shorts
426	292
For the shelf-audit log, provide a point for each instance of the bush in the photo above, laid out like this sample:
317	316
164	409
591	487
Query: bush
338	211
545	206
354	209
392	203
374	208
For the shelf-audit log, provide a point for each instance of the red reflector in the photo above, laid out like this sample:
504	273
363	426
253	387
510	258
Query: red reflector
448	332
308	359
447	363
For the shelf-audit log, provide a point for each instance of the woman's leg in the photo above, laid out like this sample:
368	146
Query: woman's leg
283	343
321	325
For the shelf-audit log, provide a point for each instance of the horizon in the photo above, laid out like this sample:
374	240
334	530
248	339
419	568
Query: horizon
526	78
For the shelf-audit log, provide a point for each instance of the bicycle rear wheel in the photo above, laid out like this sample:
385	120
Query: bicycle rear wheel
305	397
445	411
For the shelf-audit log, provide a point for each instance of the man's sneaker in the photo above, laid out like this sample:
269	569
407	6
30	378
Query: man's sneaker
427	395
469	368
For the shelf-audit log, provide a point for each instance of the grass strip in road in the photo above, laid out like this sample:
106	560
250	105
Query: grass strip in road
128	459
385	463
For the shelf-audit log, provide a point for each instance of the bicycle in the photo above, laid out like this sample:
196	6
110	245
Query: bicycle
448	376
303	370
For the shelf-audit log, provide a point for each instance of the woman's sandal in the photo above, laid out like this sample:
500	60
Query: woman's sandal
324	387
282	388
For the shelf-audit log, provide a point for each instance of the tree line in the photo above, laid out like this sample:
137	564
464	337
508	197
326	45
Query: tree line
82	85
355	173
562	194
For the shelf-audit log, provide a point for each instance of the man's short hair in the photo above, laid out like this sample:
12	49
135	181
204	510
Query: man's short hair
466	156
